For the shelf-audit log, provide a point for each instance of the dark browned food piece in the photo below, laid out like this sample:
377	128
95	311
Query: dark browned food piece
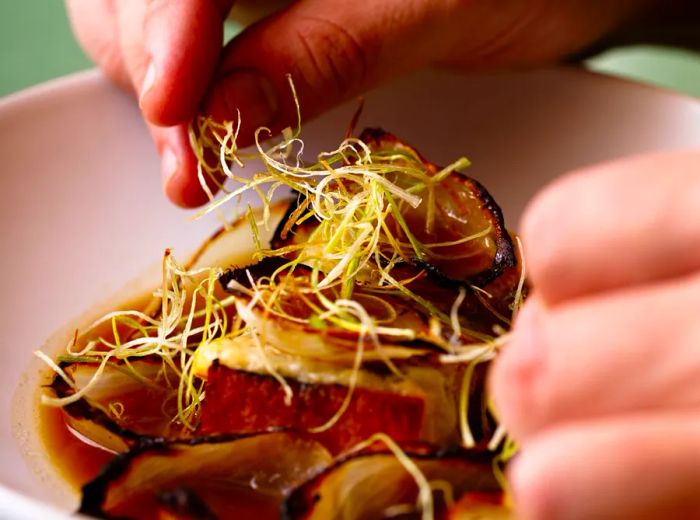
289	232
128	403
241	402
233	477
462	208
370	484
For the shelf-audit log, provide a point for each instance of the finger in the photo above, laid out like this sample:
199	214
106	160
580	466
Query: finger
635	349
184	40
335	50
332	51
95	27
645	467
615	225
170	49
181	183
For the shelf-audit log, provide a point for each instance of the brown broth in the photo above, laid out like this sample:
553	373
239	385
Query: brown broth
77	461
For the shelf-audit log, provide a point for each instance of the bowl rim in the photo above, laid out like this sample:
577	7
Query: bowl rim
17	504
94	75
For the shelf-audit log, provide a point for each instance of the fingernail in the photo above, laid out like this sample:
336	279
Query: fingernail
246	91
169	165
148	81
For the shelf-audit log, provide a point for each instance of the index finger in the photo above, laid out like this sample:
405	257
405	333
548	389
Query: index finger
182	40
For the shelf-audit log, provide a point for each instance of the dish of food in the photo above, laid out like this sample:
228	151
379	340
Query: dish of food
348	325
335	473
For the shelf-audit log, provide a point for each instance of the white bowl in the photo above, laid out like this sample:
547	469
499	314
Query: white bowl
81	210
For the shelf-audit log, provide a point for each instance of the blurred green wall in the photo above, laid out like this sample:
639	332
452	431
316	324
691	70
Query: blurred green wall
36	44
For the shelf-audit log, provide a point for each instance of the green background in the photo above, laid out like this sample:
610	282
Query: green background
36	44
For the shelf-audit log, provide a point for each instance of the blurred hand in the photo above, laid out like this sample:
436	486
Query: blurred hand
601	382
169	54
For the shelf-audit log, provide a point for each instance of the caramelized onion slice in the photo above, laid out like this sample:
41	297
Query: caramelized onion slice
375	484
403	326
460	207
126	404
234	477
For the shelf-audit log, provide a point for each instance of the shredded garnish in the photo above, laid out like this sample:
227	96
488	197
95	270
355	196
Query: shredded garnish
356	198
188	316
425	492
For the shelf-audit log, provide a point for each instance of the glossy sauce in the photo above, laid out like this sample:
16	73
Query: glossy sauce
77	461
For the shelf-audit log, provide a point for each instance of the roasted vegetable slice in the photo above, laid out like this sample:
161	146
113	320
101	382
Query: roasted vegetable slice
233	477
288	302
459	225
376	484
457	232
127	403
422	402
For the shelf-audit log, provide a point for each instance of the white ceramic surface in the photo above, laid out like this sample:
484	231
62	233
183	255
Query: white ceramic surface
81	210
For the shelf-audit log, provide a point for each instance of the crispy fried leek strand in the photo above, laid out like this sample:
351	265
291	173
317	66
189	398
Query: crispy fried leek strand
364	318
425	491
354	193
186	320
518	300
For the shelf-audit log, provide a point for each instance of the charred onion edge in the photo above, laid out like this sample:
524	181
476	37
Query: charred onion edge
82	409
264	267
185	502
95	491
504	258
278	241
296	506
505	249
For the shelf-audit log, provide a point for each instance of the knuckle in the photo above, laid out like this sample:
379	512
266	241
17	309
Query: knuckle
510	388
332	57
545	225
515	392
525	386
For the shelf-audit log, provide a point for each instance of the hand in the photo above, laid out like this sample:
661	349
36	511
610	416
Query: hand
168	53
601	382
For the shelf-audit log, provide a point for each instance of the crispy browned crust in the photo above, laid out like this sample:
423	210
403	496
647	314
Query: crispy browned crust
241	402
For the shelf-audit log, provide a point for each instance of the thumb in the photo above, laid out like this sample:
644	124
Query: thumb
333	50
